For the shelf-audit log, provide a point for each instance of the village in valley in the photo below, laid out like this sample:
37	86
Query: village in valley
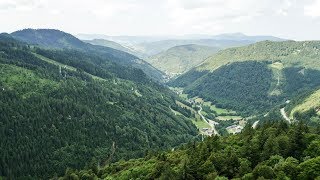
210	119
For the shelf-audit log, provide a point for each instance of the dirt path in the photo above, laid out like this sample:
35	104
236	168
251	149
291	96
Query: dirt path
278	82
284	115
255	124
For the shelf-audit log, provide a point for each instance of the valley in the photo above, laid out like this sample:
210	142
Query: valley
208	117
159	90
59	104
103	109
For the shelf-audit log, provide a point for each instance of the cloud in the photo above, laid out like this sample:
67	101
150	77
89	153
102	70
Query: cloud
19	5
313	9
212	15
154	17
6	6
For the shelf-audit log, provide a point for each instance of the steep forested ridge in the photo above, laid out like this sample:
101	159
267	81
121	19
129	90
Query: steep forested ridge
305	107
50	38
273	151
63	108
229	78
239	86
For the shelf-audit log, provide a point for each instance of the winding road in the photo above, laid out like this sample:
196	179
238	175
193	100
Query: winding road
255	124
210	122
284	115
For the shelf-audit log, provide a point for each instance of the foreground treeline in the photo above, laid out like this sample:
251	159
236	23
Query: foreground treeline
273	151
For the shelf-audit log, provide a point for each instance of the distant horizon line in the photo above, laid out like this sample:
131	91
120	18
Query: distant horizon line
139	35
77	34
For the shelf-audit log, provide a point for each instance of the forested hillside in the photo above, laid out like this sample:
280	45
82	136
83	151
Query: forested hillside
273	71
66	108
179	59
272	151
239	86
55	39
305	106
159	90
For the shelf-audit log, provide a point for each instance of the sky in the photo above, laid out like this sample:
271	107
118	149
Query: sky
291	19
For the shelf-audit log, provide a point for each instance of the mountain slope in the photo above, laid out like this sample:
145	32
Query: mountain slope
60	109
311	102
290	53
179	59
305	107
293	68
49	38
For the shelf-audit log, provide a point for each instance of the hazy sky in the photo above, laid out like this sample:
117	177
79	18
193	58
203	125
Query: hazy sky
294	19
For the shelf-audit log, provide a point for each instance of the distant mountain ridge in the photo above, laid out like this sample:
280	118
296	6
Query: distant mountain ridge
141	39
256	77
241	36
179	59
152	48
151	45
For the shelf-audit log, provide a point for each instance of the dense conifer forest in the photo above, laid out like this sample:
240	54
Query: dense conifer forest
63	108
70	110
247	86
272	151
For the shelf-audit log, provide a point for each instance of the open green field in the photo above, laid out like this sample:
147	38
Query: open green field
200	124
54	62
277	65
218	110
197	121
198	100
277	79
229	114
223	118
63	65
184	96
201	101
